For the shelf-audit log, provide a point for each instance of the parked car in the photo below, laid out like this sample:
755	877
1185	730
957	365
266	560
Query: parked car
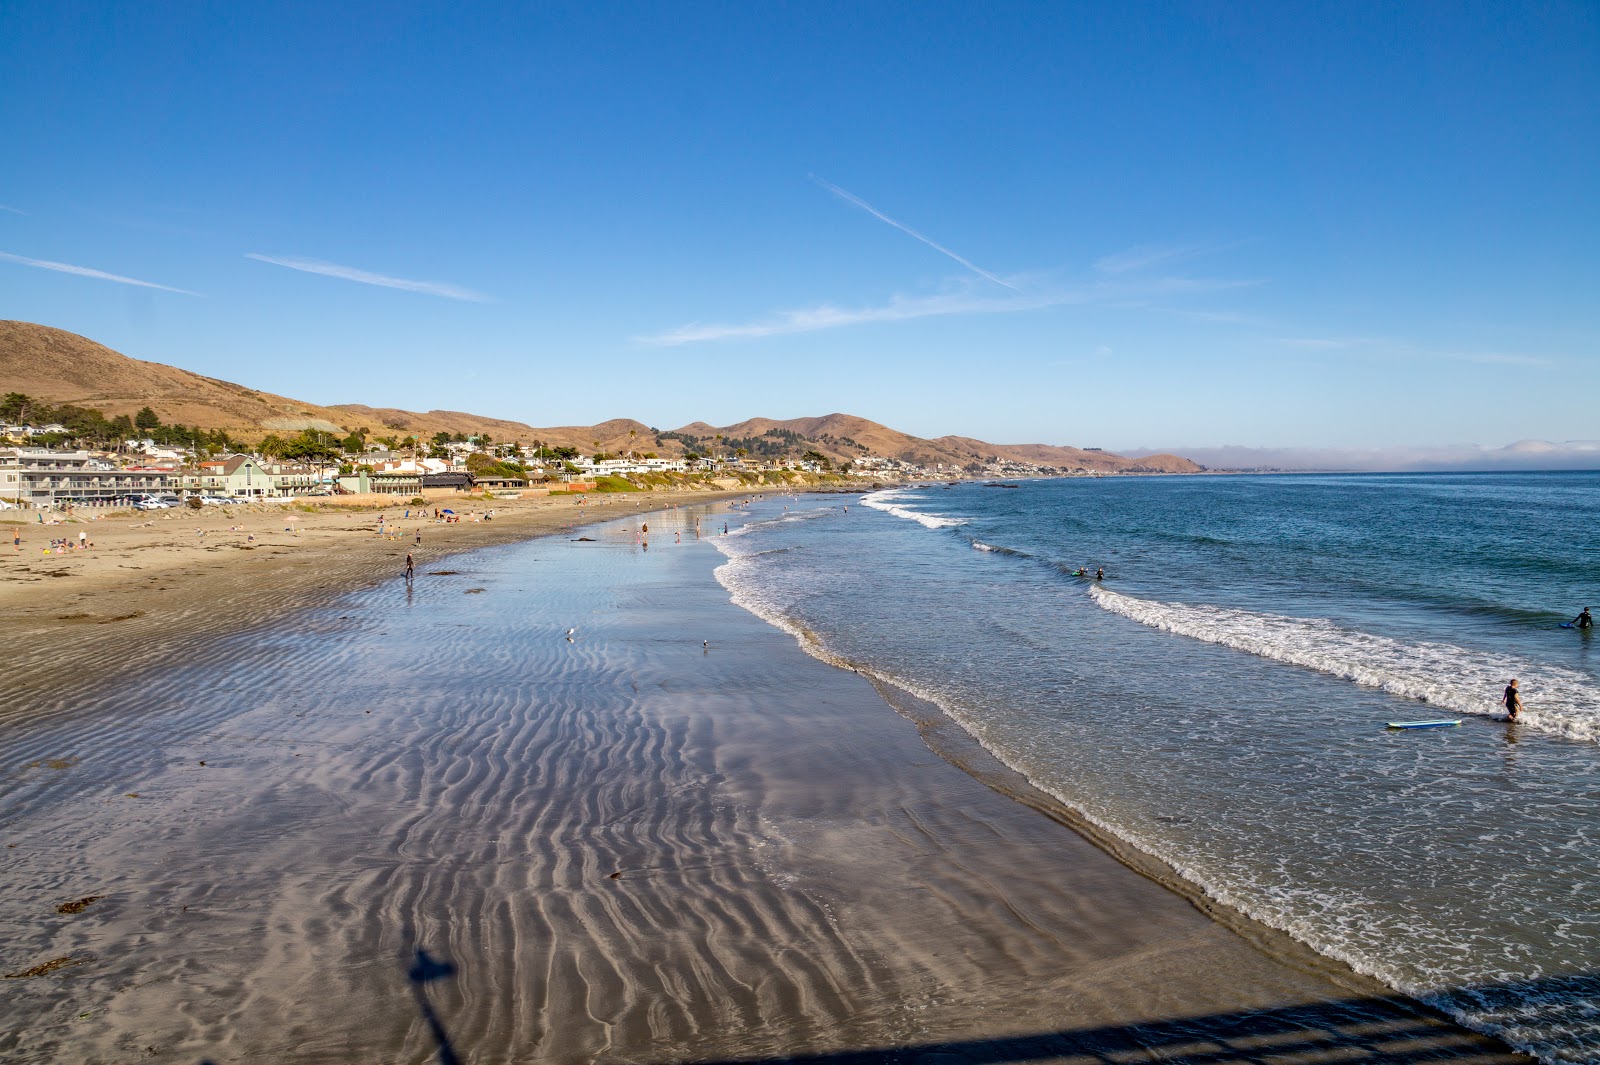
216	501
150	502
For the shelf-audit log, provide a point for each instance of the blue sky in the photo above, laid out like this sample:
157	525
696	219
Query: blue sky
1119	225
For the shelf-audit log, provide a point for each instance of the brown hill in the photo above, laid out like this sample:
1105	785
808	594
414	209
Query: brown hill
58	367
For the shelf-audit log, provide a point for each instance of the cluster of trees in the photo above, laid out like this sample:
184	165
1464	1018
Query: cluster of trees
773	444
481	465
88	427
310	446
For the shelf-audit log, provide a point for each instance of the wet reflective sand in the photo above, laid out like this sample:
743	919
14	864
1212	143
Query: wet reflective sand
424	825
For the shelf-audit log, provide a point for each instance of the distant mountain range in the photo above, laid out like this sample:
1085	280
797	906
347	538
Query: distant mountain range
58	367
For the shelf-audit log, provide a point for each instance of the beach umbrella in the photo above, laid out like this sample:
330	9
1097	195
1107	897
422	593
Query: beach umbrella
447	510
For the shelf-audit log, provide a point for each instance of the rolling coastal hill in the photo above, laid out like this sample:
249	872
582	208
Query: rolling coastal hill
59	367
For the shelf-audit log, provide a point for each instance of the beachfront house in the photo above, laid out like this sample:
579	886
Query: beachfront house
236	477
43	477
288	480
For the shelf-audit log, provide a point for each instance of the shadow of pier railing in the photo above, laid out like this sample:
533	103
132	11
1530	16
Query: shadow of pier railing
1382	1030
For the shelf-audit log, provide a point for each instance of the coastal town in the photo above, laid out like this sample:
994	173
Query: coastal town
148	465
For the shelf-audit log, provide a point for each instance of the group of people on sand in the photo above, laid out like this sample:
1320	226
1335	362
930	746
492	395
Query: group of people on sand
59	544
1511	699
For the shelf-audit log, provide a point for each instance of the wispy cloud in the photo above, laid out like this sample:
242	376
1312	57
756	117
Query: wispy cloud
1144	256
827	316
1328	343
1497	358
1405	349
350	273
85	271
959	300
1215	317
13	210
908	231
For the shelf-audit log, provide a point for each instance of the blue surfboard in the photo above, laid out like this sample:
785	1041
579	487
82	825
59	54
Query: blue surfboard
1566	624
1443	723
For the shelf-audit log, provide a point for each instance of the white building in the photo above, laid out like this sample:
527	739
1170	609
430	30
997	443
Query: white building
43	478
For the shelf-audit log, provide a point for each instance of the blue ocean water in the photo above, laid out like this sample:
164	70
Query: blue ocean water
1219	700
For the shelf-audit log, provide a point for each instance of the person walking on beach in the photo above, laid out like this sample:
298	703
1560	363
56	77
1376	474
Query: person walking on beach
1583	620
16	540
411	567
1512	700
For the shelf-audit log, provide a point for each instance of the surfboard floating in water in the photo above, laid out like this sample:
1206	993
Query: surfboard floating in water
1441	723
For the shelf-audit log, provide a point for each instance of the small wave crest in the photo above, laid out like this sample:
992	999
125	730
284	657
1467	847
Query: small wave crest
886	501
786	519
1453	678
996	549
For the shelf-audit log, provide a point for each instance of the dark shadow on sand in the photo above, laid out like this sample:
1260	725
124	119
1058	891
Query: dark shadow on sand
425	970
1393	1031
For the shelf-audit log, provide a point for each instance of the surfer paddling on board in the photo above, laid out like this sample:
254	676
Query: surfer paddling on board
1512	700
1583	620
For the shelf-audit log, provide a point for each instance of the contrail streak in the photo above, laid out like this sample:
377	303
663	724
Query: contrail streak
86	271
365	277
940	248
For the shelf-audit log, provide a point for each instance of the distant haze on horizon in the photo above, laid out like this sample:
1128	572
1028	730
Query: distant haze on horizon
1522	456
1368	231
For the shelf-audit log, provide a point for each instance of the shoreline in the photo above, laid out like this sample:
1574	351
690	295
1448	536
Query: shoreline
990	857
945	736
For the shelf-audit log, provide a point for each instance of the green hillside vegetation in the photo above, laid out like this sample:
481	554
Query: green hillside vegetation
612	483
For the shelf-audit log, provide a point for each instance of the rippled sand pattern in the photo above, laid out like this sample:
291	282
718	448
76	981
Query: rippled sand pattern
426	826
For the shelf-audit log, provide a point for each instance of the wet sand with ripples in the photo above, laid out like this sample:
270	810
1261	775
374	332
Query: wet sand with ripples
421	824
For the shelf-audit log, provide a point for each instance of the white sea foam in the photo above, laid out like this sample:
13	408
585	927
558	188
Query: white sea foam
886	501
792	516
1452	678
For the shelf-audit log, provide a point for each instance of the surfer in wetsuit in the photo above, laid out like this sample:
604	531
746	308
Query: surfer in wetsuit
1512	700
1100	574
1583	620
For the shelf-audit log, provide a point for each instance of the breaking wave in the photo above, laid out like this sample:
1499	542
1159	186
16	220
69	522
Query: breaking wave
1452	678
886	501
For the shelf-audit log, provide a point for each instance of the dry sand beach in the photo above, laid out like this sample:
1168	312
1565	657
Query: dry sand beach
265	801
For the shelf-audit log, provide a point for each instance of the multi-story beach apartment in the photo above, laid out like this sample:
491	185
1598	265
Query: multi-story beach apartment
42	477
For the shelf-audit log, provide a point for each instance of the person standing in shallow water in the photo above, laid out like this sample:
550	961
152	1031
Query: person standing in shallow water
1584	620
411	567
1512	700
